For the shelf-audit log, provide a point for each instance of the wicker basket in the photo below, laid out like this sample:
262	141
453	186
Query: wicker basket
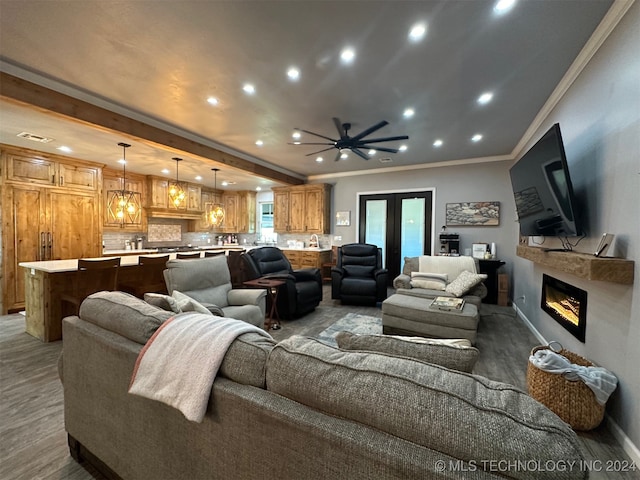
572	401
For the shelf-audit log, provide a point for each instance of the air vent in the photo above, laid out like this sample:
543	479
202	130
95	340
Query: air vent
34	137
386	160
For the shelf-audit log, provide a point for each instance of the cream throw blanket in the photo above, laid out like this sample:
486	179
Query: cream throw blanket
178	364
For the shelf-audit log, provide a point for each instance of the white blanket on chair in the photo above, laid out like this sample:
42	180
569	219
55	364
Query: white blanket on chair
178	364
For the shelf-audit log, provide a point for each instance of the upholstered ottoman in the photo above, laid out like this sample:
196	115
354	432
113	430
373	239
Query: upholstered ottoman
409	315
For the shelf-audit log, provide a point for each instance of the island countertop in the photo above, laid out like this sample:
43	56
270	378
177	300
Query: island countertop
71	265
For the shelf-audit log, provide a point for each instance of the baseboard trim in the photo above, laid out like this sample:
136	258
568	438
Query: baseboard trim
627	445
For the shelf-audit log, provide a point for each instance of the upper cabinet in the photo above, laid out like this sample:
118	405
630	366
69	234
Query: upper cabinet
38	169
159	204
239	212
302	208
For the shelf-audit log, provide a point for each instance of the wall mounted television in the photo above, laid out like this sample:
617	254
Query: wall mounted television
545	202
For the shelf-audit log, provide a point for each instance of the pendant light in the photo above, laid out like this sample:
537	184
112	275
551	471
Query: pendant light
215	211
124	206
177	195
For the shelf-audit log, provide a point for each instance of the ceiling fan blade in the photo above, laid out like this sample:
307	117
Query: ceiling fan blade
339	127
314	153
380	149
385	139
316	134
359	153
338	155
370	130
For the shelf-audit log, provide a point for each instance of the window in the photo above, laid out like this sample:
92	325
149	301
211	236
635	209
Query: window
265	222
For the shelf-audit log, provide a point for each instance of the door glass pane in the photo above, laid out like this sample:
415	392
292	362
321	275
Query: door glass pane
376	224
412	225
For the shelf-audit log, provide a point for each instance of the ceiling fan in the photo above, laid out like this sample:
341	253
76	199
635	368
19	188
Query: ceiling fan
355	143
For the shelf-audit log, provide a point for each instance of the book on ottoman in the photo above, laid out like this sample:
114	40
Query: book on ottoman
448	303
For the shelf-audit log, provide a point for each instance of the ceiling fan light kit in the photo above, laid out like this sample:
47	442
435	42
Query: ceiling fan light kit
124	206
355	144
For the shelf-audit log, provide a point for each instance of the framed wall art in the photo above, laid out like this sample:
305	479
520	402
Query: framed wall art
343	219
473	214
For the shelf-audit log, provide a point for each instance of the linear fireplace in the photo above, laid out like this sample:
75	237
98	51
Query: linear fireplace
566	304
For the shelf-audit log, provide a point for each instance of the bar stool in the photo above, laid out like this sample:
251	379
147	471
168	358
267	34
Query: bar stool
92	276
213	254
149	277
187	256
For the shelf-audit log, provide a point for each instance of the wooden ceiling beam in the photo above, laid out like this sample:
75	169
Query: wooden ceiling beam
16	89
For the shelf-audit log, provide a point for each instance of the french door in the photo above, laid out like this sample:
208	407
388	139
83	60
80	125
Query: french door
399	223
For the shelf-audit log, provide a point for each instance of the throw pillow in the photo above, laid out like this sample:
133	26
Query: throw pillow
165	302
432	281
465	282
188	304
456	354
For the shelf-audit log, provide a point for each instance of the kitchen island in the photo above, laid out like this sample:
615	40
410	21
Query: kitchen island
46	280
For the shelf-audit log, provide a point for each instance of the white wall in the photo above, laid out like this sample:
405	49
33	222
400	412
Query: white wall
600	121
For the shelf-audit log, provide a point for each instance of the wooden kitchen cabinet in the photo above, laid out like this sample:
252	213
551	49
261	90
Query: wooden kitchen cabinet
112	180
158	192
35	168
194	202
302	209
42	221
239	212
306	258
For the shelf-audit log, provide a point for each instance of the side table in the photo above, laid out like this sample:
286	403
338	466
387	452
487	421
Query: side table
272	287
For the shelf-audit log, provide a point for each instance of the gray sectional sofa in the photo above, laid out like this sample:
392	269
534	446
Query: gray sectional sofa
298	409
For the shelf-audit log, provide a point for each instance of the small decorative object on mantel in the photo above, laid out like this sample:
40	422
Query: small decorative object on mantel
479	250
473	214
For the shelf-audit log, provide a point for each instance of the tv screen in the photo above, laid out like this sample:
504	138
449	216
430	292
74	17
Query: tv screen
542	189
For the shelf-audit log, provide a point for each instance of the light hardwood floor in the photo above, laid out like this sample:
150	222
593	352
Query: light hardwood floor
33	442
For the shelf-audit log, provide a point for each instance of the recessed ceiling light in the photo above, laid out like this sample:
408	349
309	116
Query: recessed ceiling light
122	161
259	143
296	143
319	159
258	189
198	177
344	156
224	184
212	101
417	32
408	113
64	149
165	171
293	73
437	143
296	135
476	138
402	148
371	152
347	55
485	98
249	89
503	6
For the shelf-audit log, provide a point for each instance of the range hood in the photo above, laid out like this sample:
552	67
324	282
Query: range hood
174	214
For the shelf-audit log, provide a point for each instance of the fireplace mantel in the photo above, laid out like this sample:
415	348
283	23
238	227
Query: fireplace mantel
603	269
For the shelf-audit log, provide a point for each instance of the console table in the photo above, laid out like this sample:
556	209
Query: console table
490	268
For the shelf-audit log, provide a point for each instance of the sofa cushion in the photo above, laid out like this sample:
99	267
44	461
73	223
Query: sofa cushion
464	282
246	359
123	314
454	354
458	414
160	300
434	281
187	304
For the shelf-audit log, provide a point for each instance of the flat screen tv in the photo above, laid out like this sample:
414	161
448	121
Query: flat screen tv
542	189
